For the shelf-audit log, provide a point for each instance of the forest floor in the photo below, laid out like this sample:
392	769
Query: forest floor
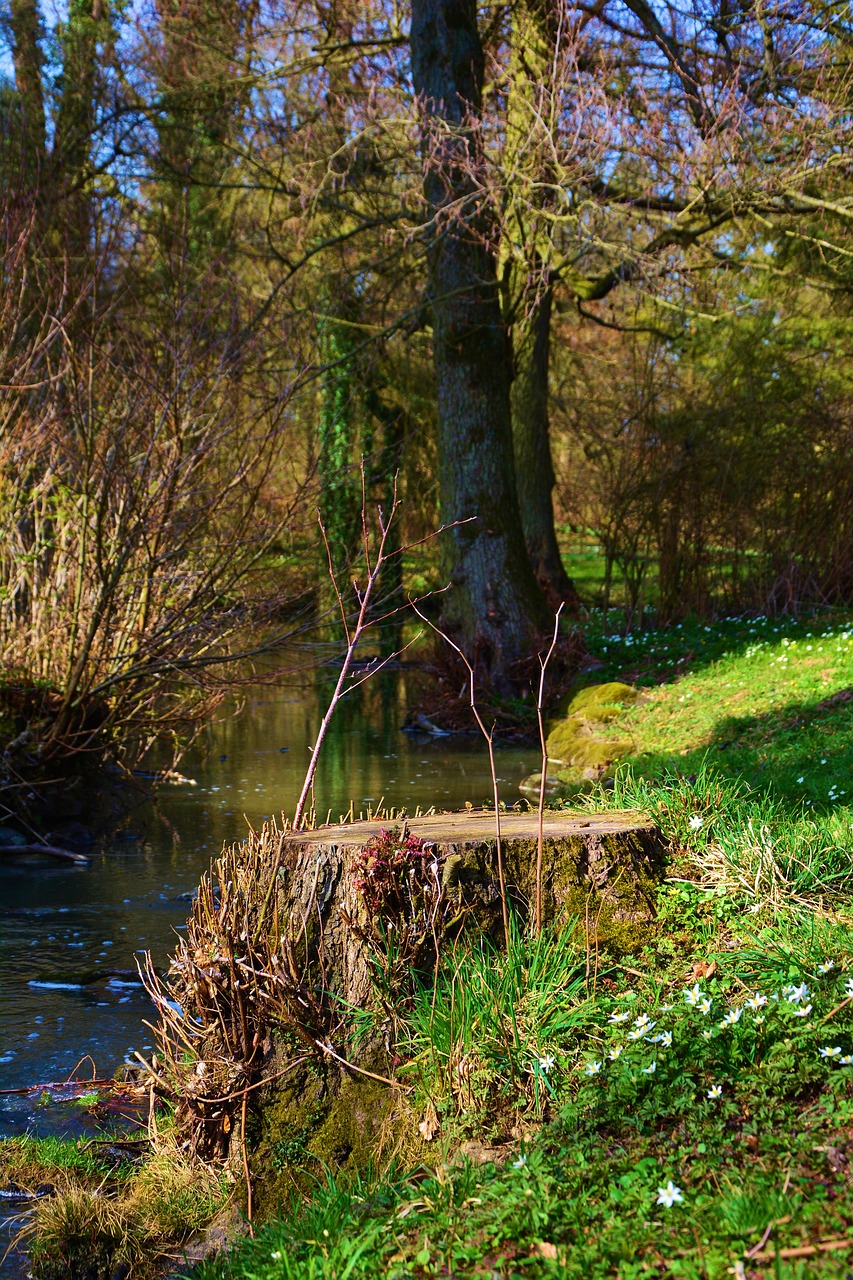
683	1111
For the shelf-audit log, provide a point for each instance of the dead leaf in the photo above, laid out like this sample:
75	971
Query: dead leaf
547	1250
429	1126
703	969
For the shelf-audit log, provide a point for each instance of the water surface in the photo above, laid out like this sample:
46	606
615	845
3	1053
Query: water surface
58	923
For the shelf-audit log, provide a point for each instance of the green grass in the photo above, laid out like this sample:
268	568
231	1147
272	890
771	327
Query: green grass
744	757
582	1197
29	1161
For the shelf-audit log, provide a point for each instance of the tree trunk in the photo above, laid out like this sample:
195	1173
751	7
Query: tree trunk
534	468
529	295
495	607
25	24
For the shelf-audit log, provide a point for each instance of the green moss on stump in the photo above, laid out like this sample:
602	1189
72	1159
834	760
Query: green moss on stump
314	1123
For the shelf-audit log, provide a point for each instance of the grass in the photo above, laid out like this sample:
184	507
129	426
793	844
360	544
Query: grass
685	1111
102	1217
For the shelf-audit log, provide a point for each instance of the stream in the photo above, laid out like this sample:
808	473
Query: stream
59	923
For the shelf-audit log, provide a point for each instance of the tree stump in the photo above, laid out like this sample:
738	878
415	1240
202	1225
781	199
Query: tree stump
293	935
599	867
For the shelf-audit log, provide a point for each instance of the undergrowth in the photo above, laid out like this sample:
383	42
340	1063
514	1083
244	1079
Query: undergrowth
684	1111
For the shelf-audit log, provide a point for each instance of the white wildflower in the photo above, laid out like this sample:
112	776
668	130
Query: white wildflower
520	1162
615	1052
619	1017
715	1091
804	1012
731	1017
696	822
670	1195
830	1051
592	1068
826	967
650	1069
796	995
693	996
758	1001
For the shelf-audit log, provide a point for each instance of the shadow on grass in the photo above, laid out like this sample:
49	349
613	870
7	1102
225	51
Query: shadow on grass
654	657
801	753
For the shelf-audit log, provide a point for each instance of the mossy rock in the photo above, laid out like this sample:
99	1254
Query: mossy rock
563	783
580	739
602	702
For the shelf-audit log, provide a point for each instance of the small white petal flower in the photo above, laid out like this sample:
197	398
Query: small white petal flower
693	995
706	1035
758	1001
848	986
796	995
755	908
804	1012
650	1069
846	1060
614	1052
592	1068
637	1033
665	1008
759	1019
644	1022
826	967
830	1051
704	1006
731	1017
715	1091
665	1039
619	1017
275	1256
670	1195
520	1162
696	822
546	1063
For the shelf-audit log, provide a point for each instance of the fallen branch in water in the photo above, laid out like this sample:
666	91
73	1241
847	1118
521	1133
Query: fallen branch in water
49	851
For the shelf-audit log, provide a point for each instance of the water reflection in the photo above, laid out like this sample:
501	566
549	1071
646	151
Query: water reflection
62	926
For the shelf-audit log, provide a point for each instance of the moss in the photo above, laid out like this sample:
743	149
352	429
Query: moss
347	1138
579	738
315	1122
602	702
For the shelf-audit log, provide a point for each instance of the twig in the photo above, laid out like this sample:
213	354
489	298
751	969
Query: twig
544	775
350	1066
489	736
245	1152
837	1009
756	1249
802	1251
354	635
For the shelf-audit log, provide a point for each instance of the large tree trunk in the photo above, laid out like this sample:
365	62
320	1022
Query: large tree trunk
529	293
495	607
534	468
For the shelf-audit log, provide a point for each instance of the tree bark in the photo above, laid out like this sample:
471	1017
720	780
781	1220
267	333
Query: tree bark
25	23
529	296
495	607
531	440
